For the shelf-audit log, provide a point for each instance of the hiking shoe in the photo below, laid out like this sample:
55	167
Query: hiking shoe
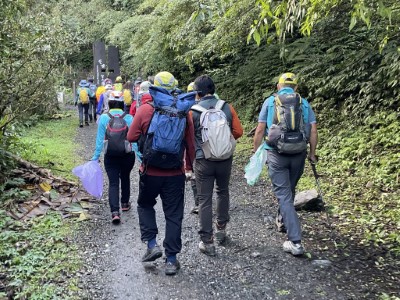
195	210
81	125
115	218
87	123
172	268
220	233
126	206
207	248
295	249
280	226
152	254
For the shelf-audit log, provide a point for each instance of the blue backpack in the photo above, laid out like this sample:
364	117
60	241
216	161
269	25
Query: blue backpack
162	145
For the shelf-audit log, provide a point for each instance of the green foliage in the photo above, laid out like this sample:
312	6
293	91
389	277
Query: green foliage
41	144
35	257
360	179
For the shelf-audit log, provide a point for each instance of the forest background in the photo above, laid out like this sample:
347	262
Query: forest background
346	53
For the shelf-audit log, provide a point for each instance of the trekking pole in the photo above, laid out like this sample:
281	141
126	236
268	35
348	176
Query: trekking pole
314	169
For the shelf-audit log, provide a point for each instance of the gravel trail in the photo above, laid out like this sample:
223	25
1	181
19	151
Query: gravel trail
252	266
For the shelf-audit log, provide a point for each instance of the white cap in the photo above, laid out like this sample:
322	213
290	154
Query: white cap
144	87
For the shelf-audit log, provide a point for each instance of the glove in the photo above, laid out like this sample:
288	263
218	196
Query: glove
189	175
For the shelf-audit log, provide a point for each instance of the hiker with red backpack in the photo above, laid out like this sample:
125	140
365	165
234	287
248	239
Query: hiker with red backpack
288	123
119	157
164	132
217	127
82	100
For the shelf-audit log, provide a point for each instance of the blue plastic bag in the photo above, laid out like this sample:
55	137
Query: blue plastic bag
91	176
254	168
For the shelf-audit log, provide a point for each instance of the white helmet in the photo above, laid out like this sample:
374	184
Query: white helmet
116	96
144	87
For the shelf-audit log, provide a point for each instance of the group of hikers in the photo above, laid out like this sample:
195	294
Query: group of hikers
191	136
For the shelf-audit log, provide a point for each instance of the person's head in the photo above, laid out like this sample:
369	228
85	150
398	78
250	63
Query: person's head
287	80
151	79
138	81
116	100
83	83
165	80
107	81
118	79
190	87
90	80
204	86
144	87
108	87
127	85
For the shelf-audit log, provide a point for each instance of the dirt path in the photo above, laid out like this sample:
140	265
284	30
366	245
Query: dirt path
253	266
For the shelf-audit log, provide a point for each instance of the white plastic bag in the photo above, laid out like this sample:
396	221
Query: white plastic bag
254	168
91	177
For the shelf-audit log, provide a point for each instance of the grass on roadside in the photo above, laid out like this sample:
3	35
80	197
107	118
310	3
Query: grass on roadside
37	258
51	144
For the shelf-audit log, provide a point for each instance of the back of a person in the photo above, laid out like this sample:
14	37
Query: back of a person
214	152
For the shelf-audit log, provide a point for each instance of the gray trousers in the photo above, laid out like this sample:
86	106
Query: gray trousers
285	171
206	172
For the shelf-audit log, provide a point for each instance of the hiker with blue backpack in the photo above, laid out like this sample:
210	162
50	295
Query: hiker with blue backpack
119	156
217	127
288	123
164	132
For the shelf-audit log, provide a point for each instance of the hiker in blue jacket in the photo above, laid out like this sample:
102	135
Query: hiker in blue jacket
286	157
118	168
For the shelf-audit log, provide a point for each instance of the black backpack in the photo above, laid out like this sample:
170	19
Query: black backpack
115	143
287	132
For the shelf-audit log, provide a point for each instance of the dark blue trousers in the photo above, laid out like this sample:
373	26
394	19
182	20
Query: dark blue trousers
171	191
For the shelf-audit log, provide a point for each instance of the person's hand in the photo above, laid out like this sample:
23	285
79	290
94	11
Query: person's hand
313	158
189	175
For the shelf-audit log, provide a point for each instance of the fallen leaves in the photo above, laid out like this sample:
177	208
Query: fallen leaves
48	192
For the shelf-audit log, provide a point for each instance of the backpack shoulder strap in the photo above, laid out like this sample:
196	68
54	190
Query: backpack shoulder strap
198	108
271	110
305	106
110	115
220	103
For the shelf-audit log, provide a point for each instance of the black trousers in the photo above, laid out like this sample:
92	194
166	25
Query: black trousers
171	191
118	170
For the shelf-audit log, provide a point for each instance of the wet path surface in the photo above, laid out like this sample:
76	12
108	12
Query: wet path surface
252	266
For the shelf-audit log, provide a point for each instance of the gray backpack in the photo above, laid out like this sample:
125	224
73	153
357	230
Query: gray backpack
217	140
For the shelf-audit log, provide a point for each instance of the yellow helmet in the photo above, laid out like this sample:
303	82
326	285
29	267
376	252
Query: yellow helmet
190	87
288	78
165	80
118	79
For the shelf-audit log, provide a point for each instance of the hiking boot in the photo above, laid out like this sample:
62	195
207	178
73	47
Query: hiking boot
152	254
126	206
195	210
172	268
115	218
81	125
207	248
280	226
87	123
295	249
220	233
